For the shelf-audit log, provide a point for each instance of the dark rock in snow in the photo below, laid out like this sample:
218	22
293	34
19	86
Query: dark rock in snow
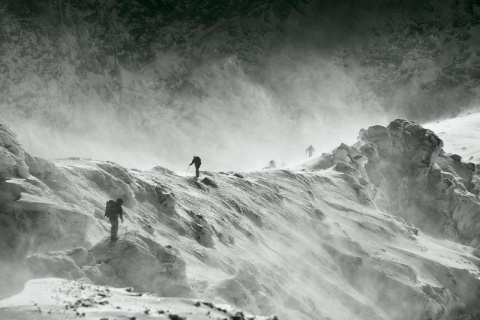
456	157
210	182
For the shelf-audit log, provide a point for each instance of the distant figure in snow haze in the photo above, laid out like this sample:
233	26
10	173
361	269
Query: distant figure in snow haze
198	163
310	151
112	212
271	165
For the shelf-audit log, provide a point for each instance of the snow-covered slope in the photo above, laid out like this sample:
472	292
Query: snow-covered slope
62	299
324	240
461	135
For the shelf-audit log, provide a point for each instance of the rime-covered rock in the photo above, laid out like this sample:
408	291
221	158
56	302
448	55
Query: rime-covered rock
144	264
12	156
403	169
419	180
133	261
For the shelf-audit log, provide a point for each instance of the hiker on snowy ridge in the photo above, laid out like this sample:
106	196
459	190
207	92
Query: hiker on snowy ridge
271	165
112	212
198	163
310	151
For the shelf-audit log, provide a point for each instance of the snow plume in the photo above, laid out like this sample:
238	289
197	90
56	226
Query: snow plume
14	274
236	90
233	120
418	58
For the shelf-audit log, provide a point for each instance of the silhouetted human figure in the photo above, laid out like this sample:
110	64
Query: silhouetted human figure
112	212
198	163
271	165
310	151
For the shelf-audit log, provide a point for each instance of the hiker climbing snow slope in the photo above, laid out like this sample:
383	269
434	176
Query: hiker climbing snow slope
310	151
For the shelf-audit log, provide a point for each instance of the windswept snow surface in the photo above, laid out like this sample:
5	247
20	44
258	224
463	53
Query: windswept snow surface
461	135
63	299
314	242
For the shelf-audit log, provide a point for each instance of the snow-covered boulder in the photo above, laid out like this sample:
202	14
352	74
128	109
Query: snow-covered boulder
64	264
133	260
144	264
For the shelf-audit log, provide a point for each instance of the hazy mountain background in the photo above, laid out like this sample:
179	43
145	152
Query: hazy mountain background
237	82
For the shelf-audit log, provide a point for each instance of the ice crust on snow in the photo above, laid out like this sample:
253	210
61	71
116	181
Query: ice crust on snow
344	235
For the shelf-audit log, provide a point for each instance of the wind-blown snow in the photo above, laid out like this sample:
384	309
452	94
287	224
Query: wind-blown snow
323	240
461	135
140	82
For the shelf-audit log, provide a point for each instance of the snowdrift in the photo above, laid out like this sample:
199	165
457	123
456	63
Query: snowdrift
384	229
70	299
460	135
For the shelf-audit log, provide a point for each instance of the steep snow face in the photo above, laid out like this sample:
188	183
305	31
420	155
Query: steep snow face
314	242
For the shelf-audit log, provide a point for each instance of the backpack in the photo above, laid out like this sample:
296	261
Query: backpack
111	209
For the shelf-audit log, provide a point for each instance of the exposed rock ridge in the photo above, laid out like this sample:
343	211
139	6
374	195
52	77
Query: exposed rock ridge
409	174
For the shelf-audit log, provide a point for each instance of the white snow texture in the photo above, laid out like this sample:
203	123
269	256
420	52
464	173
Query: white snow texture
388	228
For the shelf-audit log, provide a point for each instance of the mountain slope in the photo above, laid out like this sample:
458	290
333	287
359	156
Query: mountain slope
74	299
325	240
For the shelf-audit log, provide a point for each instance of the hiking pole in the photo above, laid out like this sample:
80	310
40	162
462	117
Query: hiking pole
187	170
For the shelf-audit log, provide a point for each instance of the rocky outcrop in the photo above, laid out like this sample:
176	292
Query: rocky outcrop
424	185
12	156
403	169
